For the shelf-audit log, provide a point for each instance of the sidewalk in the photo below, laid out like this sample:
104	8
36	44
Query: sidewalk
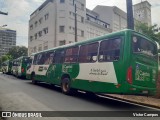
142	100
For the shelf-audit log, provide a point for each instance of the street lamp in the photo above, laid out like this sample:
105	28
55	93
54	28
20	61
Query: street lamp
3	26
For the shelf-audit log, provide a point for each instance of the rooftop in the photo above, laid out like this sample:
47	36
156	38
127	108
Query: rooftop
7	29
143	3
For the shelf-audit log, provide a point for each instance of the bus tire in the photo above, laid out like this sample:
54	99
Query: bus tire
17	75
33	79
65	86
90	94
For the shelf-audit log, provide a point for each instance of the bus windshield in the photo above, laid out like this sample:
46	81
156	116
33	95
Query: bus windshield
144	46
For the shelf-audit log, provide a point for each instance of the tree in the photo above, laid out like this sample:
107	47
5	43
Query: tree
158	35
150	31
4	58
18	51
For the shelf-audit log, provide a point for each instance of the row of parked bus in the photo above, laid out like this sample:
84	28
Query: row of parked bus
16	67
124	62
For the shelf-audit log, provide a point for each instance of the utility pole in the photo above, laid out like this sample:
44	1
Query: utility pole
130	19
75	10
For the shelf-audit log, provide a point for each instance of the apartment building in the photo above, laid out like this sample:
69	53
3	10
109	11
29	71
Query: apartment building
95	26
7	40
112	15
53	23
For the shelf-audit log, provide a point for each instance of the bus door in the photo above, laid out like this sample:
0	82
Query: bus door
56	67
29	67
50	74
19	64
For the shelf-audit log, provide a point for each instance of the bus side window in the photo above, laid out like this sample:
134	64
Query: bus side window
88	53
110	50
41	58
59	56
49	58
71	55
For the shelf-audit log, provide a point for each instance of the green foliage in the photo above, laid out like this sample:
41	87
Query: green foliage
150	31
158	35
4	58
14	52
18	51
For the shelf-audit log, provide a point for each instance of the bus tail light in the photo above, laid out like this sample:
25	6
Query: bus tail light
129	75
22	70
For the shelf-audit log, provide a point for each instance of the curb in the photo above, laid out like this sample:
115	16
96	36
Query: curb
120	97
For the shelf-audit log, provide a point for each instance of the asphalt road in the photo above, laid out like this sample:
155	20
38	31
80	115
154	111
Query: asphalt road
18	94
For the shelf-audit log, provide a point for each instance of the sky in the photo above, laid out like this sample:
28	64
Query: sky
19	13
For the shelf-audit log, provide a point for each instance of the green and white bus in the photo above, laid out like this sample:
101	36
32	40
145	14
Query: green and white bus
124	62
6	67
20	66
14	67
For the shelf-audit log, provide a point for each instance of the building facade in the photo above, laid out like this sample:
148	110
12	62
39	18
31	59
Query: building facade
95	26
142	12
112	15
7	40
53	23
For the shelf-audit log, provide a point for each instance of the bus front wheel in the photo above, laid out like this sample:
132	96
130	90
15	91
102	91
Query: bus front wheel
65	86
33	79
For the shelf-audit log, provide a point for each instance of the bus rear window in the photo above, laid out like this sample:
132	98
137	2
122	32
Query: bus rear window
142	45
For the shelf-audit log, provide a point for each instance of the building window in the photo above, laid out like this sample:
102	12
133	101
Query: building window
62	42
62	1
40	47
36	23
82	33
35	49
88	18
82	6
46	16
31	38
35	35
40	33
82	19
61	29
106	26
40	20
45	30
31	27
